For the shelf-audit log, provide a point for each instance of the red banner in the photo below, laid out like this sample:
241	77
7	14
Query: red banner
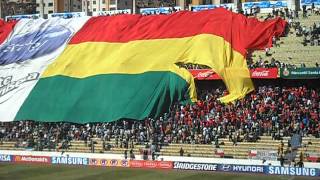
264	73
313	159
257	73
32	159
136	164
151	164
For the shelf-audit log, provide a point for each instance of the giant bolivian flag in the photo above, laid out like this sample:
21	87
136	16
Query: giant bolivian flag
125	66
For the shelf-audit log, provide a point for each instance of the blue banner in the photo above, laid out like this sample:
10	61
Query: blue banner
265	4
69	160
160	10
309	2
67	15
292	171
24	16
197	8
5	158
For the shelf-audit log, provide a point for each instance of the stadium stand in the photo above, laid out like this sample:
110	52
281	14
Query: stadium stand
300	48
264	120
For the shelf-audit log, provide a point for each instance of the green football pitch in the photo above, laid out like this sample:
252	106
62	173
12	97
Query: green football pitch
55	172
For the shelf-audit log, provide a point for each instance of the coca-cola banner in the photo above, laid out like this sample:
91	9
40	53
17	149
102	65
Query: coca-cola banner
257	73
151	164
264	73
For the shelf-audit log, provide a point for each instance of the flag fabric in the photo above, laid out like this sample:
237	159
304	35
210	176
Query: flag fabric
124	66
5	29
26	53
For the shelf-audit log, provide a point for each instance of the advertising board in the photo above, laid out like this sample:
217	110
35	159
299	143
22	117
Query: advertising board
32	159
195	166
292	171
5	158
151	164
108	162
69	160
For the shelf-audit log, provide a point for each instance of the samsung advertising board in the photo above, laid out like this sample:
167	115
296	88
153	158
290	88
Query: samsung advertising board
292	171
69	160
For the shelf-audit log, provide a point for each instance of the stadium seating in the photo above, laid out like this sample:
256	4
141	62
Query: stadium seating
239	151
291	50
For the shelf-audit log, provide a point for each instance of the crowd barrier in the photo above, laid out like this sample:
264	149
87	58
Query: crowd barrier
179	165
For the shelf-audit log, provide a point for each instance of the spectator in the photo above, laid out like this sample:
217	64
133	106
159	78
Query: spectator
125	154
181	151
132	156
281	160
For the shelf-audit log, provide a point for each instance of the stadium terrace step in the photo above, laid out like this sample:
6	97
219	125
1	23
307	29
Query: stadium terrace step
239	157
313	149
313	146
227	150
136	152
187	148
79	142
8	142
191	145
78	150
11	148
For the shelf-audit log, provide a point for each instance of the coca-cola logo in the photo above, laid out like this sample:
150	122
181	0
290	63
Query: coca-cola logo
136	163
204	74
151	164
264	73
165	165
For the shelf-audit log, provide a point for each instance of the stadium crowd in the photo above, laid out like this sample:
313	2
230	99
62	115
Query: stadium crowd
270	110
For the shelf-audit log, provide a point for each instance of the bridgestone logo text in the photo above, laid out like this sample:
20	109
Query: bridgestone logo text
195	166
